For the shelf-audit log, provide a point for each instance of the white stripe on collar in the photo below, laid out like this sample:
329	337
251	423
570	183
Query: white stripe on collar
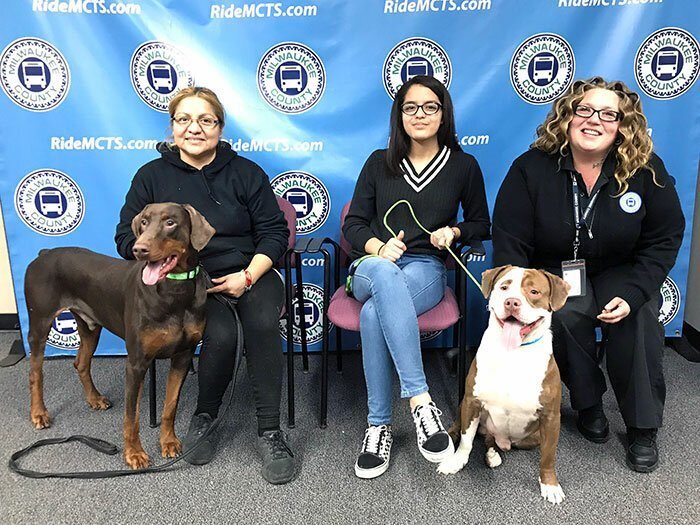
419	182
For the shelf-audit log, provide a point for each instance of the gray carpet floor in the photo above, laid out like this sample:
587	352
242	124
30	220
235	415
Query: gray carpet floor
598	485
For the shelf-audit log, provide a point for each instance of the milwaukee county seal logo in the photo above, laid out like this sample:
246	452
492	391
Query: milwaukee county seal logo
64	332
291	77
666	64
542	68
429	336
49	202
670	301
34	74
311	315
158	71
308	195
413	57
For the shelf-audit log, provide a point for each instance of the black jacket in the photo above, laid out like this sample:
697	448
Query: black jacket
248	220
630	254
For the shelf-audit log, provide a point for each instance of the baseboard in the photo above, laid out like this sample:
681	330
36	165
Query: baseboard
9	322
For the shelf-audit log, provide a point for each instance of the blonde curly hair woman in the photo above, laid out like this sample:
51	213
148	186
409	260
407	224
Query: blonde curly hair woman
592	202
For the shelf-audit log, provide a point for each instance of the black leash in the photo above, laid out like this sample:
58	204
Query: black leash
105	447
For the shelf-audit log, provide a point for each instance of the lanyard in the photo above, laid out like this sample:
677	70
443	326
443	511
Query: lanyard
578	219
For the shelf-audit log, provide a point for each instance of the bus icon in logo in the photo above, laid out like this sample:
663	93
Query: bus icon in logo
308	314
667	63
298	199
33	74
161	76
543	69
65	322
50	202
416	67
290	78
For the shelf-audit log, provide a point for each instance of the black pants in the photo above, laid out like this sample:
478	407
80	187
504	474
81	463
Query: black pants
633	351
259	311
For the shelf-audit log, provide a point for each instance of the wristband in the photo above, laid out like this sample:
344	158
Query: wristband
380	249
248	280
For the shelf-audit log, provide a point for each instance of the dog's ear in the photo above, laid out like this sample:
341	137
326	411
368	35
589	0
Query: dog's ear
202	231
489	278
558	290
136	222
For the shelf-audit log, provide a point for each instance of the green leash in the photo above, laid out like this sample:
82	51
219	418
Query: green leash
413	214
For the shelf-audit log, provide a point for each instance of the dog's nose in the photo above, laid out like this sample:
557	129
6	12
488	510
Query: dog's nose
140	250
512	304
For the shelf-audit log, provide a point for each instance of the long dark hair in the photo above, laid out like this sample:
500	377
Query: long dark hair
400	142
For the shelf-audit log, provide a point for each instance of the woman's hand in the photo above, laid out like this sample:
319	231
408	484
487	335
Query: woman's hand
616	310
442	238
393	249
232	284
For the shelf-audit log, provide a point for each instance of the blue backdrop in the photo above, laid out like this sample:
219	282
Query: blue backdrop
307	87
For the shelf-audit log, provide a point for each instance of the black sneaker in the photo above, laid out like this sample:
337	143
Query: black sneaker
376	451
279	465
206	447
433	441
642	452
592	424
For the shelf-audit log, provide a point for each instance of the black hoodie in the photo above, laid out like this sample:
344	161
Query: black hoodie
247	220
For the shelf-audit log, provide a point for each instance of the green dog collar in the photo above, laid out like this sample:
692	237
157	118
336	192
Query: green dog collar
184	275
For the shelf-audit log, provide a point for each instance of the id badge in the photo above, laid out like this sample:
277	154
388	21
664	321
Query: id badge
574	273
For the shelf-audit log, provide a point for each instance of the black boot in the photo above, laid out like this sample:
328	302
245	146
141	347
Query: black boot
593	424
642	452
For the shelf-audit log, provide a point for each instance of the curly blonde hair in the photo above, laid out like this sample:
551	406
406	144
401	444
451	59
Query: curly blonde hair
633	146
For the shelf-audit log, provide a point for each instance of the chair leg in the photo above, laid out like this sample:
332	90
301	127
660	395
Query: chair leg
153	423
302	316
290	344
462	352
338	350
325	340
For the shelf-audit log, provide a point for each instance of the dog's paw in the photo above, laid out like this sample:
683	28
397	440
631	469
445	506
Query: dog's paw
552	493
41	420
493	458
171	448
452	465
99	403
136	459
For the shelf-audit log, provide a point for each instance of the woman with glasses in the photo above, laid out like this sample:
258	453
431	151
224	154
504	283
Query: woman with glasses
399	278
592	202
235	197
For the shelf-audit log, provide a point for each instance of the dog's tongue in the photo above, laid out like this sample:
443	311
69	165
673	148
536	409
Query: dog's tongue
511	335
151	273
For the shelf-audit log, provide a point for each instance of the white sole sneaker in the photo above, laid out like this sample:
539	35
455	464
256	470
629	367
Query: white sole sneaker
371	473
437	457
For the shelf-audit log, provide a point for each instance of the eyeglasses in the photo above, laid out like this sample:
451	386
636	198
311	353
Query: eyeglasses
204	122
606	115
429	108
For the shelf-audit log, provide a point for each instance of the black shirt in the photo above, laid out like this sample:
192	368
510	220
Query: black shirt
636	236
248	220
450	179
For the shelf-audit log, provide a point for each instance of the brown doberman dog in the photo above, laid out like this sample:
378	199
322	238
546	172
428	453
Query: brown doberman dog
156	304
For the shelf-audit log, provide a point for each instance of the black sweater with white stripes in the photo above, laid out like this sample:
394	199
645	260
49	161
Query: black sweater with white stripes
451	179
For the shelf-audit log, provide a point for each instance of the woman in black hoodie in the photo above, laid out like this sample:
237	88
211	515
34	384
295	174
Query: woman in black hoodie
235	196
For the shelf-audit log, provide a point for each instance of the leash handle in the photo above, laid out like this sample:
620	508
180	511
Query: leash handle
413	214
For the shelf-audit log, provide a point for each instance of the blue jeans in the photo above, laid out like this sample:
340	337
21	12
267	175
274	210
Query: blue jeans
394	295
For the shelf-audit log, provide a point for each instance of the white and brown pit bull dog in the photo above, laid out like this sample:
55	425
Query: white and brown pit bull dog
513	389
